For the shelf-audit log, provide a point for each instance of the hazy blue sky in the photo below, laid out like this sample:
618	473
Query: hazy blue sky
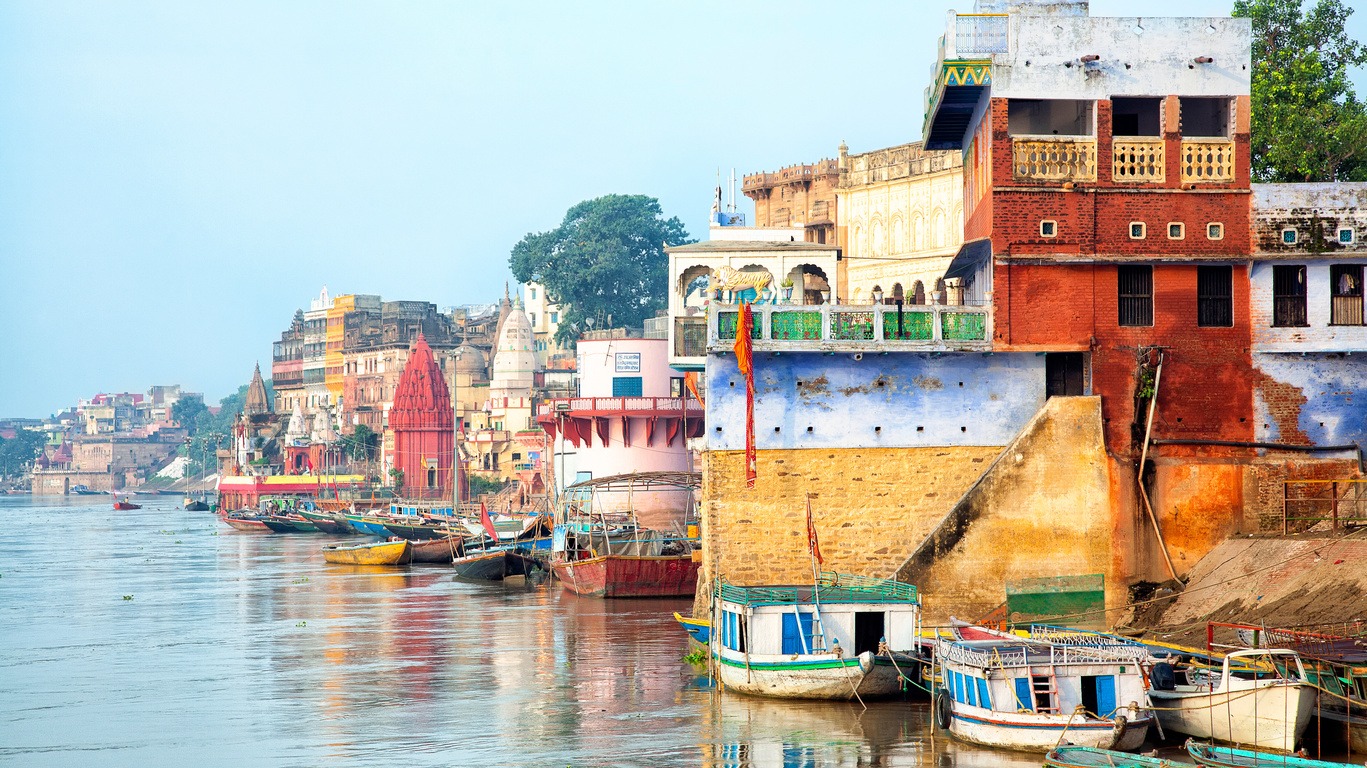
176	178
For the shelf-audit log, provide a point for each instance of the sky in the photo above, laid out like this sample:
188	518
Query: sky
177	178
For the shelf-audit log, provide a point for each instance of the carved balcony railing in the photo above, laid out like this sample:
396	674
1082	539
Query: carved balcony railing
690	336
1054	158
852	328
979	34
1138	160
1207	160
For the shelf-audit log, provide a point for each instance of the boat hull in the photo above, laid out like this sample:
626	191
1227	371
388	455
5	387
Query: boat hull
435	550
1233	757
1339	727
803	676
1042	731
698	629
328	523
382	553
626	576
494	566
196	506
1091	757
1270	717
252	525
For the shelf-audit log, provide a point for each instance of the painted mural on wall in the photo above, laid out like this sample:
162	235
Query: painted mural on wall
813	400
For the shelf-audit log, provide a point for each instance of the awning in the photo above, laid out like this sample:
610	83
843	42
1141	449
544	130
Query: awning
970	259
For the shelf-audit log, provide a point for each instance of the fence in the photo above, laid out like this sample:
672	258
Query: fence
1342	503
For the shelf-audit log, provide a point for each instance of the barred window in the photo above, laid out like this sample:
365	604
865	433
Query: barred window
1215	297
1135	287
1288	296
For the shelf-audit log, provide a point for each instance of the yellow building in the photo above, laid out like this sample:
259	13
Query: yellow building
899	221
334	364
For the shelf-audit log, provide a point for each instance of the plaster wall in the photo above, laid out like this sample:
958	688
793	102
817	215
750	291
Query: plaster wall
896	400
1139	56
1311	399
1319	336
600	361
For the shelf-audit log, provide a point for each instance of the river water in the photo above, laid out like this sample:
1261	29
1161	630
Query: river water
162	637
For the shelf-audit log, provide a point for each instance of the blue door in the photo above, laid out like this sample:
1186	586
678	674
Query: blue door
1024	698
1105	695
797	633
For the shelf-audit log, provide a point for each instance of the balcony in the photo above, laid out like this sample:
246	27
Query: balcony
850	328
1138	160
1054	158
582	407
978	34
690	337
1207	161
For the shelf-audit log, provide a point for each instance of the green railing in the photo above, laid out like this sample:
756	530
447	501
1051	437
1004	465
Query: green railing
963	326
916	326
852	326
726	326
795	325
834	588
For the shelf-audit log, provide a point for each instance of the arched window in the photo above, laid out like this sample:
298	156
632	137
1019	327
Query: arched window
918	293
897	294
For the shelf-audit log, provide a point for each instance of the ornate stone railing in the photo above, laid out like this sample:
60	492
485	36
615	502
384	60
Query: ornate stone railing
1207	160
853	328
1136	159
1054	158
978	34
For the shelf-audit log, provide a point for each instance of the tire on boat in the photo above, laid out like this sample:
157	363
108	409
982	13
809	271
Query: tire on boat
940	709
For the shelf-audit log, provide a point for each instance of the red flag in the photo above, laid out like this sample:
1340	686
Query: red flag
487	522
745	362
812	544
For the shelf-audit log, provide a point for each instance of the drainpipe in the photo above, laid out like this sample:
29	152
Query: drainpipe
1143	457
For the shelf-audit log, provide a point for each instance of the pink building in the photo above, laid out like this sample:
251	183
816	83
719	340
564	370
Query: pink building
627	419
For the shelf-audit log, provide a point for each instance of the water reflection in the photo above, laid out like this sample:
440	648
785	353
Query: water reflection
238	648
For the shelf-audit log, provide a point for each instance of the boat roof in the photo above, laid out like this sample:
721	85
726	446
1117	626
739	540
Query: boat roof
641	481
829	588
1006	652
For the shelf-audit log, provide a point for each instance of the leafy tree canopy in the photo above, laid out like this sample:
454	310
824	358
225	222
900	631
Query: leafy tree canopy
605	261
16	452
1307	123
187	411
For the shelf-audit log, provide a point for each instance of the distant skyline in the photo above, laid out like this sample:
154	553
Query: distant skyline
176	179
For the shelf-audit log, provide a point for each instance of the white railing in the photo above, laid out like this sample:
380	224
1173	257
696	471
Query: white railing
620	404
978	34
1038	654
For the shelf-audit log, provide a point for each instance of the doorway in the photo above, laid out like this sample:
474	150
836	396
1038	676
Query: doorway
869	629
1064	374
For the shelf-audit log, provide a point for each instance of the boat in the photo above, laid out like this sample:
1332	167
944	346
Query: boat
196	505
495	564
329	522
1260	698
374	553
125	504
826	640
1232	757
416	529
1339	726
277	524
624	562
436	550
245	520
370	525
1030	693
700	630
1091	757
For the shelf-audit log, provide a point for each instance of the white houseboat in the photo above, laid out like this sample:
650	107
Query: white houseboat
840	637
1012	692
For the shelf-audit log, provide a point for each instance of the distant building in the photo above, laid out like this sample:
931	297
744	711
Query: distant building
544	315
423	424
799	196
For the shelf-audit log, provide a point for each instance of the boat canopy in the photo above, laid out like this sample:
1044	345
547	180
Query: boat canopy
833	587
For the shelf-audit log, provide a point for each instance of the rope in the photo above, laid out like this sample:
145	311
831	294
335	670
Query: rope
883	649
1064	732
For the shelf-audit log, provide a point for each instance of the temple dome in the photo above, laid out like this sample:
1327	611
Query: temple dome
472	360
514	357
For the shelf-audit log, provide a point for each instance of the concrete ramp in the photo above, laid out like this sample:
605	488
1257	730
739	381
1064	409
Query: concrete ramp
1041	509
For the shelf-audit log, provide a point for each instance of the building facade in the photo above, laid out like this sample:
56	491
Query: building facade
899	222
798	196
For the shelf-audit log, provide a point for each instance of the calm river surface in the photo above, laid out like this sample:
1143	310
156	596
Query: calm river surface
162	637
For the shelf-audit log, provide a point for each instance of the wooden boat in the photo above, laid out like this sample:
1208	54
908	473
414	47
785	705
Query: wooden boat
1260	698
414	530
1338	726
436	550
1091	757
1003	690
698	629
495	564
328	522
277	524
370	525
629	576
827	640
125	504
245	521
196	505
375	553
1232	757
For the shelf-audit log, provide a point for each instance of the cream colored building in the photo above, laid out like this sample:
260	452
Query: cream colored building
899	219
544	315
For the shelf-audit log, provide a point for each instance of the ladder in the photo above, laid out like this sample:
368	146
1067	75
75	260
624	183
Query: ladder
1047	686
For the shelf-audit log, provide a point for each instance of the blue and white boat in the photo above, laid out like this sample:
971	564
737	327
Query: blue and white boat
841	637
1013	692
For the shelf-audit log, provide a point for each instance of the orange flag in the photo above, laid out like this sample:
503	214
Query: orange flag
691	381
746	363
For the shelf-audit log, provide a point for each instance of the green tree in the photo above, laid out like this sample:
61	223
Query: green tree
605	261
187	412
363	443
16	452
1307	123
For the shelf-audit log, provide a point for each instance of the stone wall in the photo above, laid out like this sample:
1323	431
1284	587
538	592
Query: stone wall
1043	508
871	506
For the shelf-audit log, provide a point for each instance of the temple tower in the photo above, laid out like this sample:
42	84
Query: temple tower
422	422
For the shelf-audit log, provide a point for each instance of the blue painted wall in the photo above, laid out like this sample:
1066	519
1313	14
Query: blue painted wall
1334	388
918	399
